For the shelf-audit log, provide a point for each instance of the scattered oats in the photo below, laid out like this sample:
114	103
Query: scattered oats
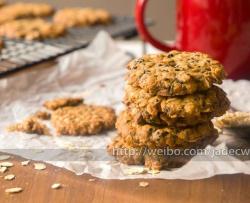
14	190
91	179
9	177
56	186
4	157
143	184
6	164
39	166
153	172
3	169
134	171
25	163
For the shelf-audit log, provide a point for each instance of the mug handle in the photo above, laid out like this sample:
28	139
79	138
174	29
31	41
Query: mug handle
139	16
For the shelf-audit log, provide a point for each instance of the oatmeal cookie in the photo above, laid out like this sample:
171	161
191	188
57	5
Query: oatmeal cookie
30	125
180	110
31	29
175	73
22	10
153	158
233	119
161	136
62	102
83	120
73	17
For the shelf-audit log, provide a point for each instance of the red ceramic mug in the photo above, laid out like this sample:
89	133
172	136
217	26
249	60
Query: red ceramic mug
220	28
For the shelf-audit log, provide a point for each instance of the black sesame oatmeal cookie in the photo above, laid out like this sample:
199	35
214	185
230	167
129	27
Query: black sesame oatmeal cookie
152	158
156	136
175	73
83	119
185	110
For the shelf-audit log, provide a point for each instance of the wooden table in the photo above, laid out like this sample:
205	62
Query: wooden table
37	186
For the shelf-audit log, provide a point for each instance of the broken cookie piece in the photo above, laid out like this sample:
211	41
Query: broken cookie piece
62	102
83	120
43	115
31	126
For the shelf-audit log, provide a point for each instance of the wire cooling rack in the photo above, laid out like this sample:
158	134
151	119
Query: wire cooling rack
20	54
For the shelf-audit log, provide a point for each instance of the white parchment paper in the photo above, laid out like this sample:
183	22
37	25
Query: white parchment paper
97	74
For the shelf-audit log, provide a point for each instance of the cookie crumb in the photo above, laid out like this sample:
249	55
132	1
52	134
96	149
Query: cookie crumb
3	169
14	190
9	177
25	163
62	102
56	186
6	164
39	166
143	184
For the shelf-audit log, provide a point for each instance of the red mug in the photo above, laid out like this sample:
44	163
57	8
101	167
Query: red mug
220	28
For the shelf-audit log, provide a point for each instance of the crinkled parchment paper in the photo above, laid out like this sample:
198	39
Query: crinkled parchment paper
97	74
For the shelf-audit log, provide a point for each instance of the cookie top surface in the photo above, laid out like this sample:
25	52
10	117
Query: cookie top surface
83	119
22	10
174	73
180	110
62	102
73	17
155	136
31	29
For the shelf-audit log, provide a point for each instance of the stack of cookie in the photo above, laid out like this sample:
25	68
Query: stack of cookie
171	99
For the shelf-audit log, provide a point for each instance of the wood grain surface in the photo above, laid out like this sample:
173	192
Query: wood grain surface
37	188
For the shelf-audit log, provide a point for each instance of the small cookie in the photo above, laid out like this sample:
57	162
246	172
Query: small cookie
23	10
157	136
153	158
31	29
73	17
83	120
186	110
31	126
62	102
175	73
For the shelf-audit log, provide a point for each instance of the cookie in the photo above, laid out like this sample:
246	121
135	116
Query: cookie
74	17
156	158
23	10
31	29
83	120
161	136
43	115
185	110
30	125
175	73
62	102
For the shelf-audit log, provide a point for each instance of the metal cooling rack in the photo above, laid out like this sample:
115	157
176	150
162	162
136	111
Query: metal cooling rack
20	54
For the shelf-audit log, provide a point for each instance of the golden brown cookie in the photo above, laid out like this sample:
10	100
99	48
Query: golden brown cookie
175	73
73	17
185	110
160	136
31	29
154	158
62	102
31	126
22	10
83	120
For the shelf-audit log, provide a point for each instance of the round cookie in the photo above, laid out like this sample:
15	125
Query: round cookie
185	110
156	136
31	29
175	73
83	119
155	159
